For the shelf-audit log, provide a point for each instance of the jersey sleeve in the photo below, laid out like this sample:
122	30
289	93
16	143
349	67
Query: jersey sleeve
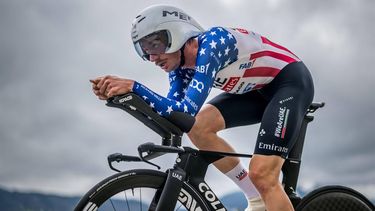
188	93
162	105
217	49
177	84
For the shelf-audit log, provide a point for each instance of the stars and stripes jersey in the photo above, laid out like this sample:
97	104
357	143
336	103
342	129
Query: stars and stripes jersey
234	60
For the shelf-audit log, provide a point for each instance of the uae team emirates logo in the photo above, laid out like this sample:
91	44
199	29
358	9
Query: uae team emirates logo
242	175
282	122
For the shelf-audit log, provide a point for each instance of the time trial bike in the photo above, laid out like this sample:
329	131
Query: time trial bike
182	187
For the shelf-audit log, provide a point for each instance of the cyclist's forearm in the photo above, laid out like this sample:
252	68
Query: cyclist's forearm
162	105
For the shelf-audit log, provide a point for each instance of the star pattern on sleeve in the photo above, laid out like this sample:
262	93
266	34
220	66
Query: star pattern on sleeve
222	40
169	109
202	51
219	43
213	44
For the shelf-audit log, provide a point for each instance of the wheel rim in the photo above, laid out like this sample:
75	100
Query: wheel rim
335	201
133	199
135	196
134	190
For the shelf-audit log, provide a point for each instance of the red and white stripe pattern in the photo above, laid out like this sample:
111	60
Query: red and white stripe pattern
265	57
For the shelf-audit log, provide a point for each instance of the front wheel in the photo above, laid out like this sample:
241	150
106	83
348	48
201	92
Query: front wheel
136	190
335	198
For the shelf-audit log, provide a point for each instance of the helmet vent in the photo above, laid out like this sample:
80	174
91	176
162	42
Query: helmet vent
141	19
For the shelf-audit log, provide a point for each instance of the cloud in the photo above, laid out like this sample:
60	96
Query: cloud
55	135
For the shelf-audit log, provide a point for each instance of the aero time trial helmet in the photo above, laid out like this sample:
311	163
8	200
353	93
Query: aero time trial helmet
162	29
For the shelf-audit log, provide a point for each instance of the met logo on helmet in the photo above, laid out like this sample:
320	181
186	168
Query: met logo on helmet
180	15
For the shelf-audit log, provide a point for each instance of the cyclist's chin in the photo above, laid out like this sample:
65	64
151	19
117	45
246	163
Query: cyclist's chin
168	67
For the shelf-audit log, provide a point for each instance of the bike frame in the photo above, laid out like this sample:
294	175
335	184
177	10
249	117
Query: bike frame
191	164
190	167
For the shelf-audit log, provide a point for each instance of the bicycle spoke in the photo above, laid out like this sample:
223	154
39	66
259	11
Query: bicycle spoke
127	202
140	198
113	206
135	193
179	207
136	198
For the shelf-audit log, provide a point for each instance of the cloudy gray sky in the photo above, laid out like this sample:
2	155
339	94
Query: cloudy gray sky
55	135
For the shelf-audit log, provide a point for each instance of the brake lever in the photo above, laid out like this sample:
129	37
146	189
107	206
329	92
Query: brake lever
111	158
148	162
118	157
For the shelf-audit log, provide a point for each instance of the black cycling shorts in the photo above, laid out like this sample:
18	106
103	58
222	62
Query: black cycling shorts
280	107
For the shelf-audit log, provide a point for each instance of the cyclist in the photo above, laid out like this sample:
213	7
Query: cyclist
262	82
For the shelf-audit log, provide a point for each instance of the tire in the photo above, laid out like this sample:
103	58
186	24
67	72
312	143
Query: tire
335	198
116	193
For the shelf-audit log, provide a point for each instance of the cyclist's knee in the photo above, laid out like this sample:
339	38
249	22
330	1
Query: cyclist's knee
208	121
264	172
262	182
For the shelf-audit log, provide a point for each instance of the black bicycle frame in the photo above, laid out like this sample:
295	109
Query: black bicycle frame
292	165
191	165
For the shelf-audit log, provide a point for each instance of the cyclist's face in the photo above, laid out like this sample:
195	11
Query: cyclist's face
167	61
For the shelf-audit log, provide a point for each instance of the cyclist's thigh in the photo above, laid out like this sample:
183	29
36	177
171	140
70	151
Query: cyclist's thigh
240	109
208	119
291	93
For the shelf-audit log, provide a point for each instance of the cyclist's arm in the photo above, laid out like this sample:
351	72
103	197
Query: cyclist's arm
176	86
162	105
183	96
208	63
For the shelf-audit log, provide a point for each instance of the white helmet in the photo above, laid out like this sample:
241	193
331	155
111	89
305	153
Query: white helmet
162	29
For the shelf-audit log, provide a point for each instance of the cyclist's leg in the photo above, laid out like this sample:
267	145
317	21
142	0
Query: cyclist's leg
291	93
225	111
264	172
204	136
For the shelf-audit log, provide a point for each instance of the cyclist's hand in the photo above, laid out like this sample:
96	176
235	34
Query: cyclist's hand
95	89
108	86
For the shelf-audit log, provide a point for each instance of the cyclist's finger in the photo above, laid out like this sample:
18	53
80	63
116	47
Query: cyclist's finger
102	80
94	87
96	92
102	97
103	87
96	80
114	91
